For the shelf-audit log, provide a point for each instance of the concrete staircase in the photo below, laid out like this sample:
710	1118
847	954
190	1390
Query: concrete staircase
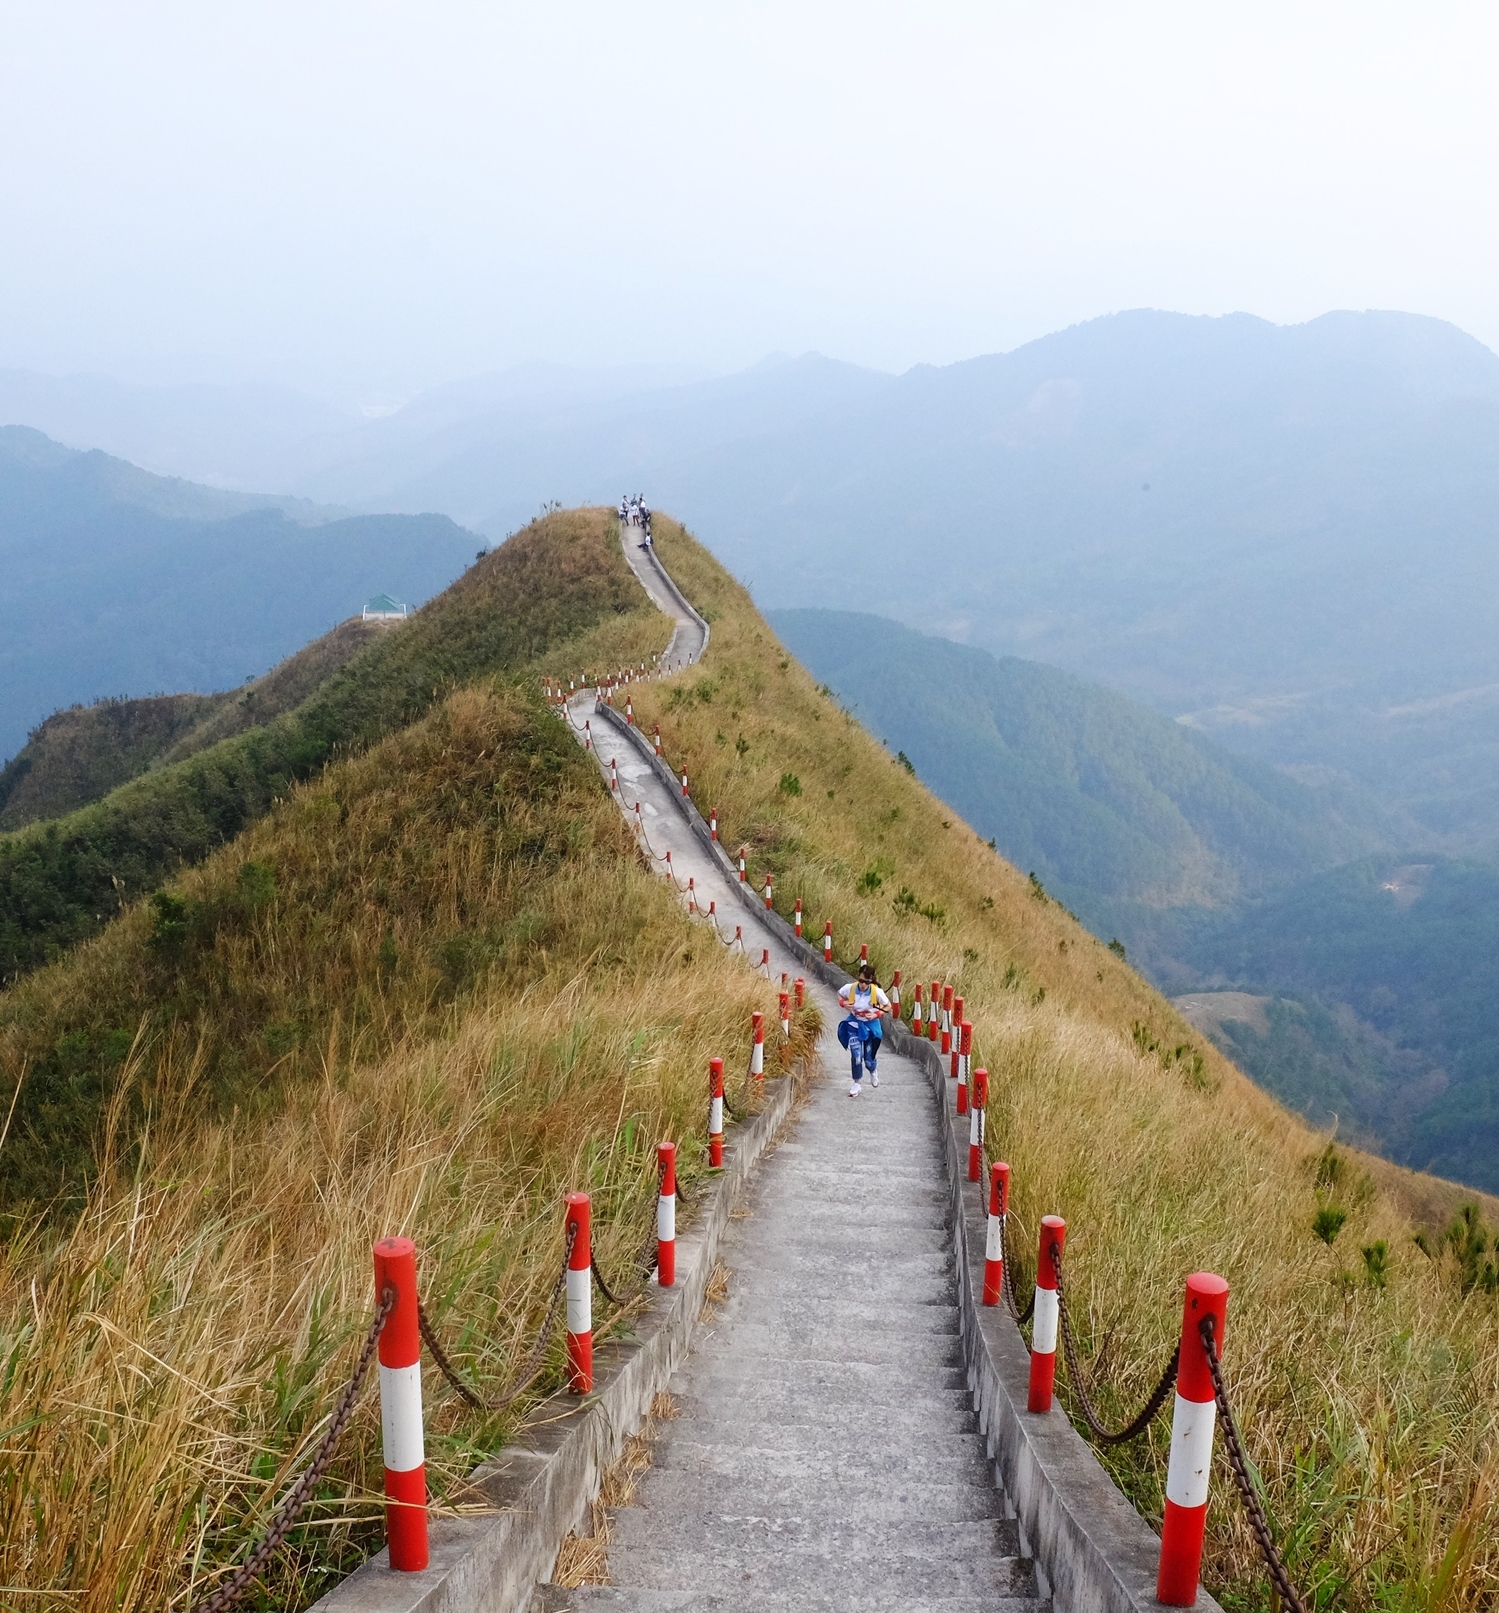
826	1454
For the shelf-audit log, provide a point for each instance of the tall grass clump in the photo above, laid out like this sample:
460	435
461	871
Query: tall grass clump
1366	1378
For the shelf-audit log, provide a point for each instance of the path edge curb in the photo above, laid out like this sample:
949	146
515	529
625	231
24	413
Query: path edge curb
537	1490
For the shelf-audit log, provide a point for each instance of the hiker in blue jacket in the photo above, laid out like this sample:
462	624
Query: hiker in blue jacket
861	1030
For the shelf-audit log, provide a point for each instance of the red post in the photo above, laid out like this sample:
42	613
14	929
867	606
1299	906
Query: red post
757	1045
786	1013
963	1050
630	712
946	1046
713	822
579	1297
864	952
666	1215
715	1112
1044	1327
976	1123
741	864
401	1407
798	915
1192	1423
587	734
895	997
994	1243
957	1072
765	961
801	992
767	891
691	894
933	1014
658	739
827	942
917	1027
613	774
684	783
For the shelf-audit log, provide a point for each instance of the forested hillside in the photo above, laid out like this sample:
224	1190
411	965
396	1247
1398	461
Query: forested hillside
1378	999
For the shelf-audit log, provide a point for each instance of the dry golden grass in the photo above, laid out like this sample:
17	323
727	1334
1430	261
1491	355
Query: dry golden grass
169	1353
1372	1412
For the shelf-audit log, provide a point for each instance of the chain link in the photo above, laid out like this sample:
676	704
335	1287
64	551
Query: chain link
1238	1463
292	1508
532	1367
1152	1407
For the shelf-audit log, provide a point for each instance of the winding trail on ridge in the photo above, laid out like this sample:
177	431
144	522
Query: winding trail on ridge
826	1454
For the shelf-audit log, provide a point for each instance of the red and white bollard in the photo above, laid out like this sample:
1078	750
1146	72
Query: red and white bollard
801	992
579	1297
767	891
798	917
864	952
1044	1326
965	1042
741	865
671	872
757	1045
401	1407
918	1028
946	1047
765	961
1192	1423
684	784
713	822
691	894
715	1112
713	914
895	997
786	1014
976	1123
630	712
587	734
739	936
613	774
934	1012
957	1072
994	1241
827	942
666	1215
658	739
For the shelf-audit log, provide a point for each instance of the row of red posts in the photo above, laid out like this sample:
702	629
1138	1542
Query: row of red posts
1194	1415
401	1424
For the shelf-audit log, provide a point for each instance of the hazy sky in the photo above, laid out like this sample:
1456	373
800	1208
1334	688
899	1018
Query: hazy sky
376	197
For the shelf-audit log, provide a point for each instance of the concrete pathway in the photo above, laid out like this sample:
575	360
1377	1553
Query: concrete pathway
826	1455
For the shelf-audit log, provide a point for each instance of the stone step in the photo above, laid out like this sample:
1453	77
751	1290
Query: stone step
809	1422
786	1552
838	1383
819	1452
633	1599
818	1340
823	1491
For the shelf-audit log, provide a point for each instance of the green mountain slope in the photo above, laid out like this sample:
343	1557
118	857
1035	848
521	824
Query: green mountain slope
61	880
1111	804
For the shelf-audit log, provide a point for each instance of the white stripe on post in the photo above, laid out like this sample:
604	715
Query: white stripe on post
666	1215
827	942
715	1112
757	1045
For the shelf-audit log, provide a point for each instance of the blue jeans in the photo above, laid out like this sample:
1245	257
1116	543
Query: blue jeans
862	1038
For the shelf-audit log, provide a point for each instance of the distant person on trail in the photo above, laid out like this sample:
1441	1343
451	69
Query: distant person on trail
861	1031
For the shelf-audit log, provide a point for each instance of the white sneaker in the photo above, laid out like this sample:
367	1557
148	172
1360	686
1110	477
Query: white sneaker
854	1090
874	1078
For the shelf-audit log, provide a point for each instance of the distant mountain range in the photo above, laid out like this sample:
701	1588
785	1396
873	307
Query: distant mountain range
118	582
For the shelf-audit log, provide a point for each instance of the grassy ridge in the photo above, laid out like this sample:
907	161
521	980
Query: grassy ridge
63	880
1366	1383
429	991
